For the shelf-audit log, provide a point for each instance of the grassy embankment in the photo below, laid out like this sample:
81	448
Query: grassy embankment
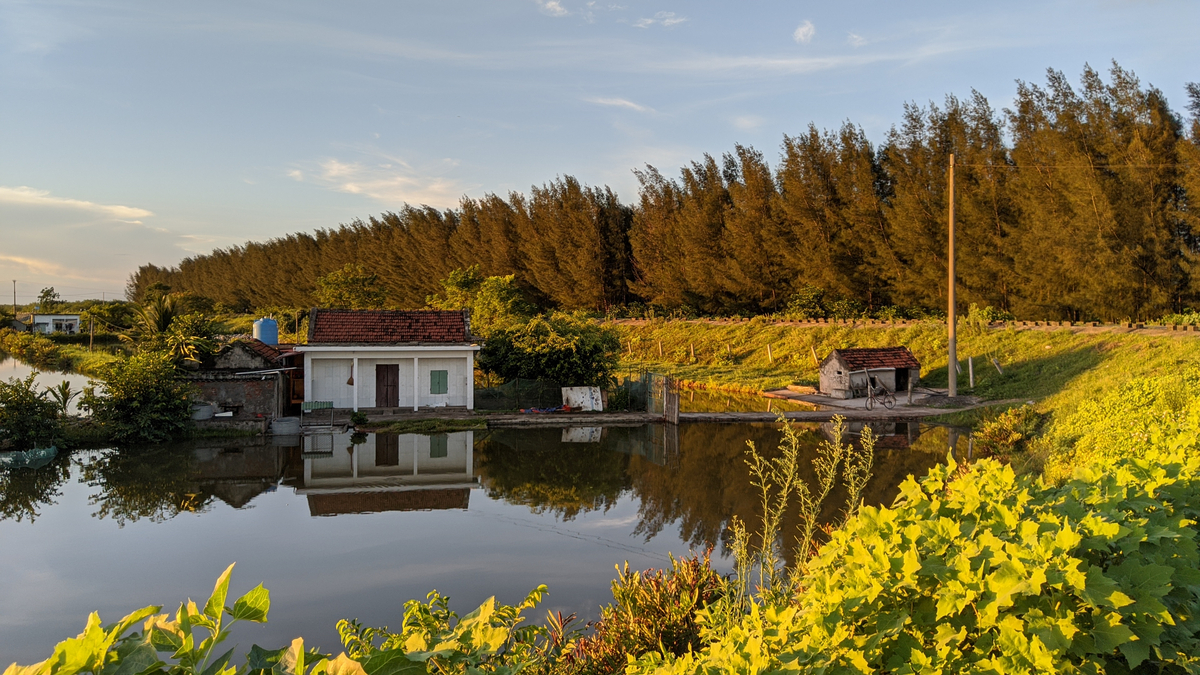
1066	374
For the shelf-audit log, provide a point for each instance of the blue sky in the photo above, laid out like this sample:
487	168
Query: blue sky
135	132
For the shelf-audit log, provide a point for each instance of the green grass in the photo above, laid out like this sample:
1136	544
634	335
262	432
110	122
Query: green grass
85	362
1057	369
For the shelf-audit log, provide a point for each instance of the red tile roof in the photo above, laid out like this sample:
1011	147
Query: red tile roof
377	502
877	357
261	348
387	327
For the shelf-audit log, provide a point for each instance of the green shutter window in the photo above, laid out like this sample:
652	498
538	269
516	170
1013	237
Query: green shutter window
439	381
437	444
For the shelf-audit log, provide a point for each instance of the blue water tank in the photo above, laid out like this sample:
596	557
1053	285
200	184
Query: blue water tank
266	331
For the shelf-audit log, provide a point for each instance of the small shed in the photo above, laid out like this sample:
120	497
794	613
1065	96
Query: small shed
244	377
846	373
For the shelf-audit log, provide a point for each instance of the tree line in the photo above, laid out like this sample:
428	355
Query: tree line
1077	202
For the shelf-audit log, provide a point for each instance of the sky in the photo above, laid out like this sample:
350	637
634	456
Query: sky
135	132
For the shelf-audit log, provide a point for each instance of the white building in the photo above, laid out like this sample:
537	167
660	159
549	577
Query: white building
52	323
389	359
847	373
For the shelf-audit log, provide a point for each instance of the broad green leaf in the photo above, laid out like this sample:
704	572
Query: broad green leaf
291	661
84	652
137	657
263	659
392	663
1102	591
1109	633
344	665
219	664
117	629
216	601
1135	652
253	605
36	669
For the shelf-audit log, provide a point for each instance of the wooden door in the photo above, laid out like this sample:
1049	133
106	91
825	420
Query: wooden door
387	385
387	450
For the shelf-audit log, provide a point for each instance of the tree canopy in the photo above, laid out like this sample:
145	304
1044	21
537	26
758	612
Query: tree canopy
1076	202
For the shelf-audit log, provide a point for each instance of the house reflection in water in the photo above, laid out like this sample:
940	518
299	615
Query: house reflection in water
371	473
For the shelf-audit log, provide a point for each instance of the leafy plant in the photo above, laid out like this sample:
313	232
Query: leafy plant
435	639
27	416
142	399
352	287
978	569
62	394
562	348
183	645
655	610
1009	432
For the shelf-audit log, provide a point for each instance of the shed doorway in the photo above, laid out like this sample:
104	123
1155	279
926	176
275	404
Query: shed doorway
901	379
387	385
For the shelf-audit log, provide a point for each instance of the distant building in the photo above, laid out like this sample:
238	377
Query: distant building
389	359
51	323
847	373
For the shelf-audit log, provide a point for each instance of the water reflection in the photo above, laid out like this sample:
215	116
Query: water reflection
693	476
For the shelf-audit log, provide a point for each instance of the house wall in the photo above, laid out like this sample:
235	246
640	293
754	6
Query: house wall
837	382
359	464
250	397
327	373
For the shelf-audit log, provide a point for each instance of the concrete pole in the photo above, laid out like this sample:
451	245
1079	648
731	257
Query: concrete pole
952	319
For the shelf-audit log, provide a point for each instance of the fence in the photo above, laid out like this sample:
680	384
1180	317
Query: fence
519	394
635	392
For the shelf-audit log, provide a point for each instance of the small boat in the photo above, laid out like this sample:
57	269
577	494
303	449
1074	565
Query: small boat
27	459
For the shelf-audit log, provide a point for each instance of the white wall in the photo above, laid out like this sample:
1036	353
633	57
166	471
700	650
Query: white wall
329	382
327	372
456	382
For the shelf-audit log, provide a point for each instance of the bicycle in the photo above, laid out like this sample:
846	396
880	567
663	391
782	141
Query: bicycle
881	394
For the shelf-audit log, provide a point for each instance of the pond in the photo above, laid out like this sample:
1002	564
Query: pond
342	526
11	368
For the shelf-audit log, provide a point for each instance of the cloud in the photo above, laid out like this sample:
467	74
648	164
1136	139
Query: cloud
804	32
553	8
27	196
748	122
619	103
666	19
386	179
856	40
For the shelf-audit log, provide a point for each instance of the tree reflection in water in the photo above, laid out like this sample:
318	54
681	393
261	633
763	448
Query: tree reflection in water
701	482
24	491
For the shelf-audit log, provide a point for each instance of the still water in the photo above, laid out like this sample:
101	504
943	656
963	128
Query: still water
12	368
351	527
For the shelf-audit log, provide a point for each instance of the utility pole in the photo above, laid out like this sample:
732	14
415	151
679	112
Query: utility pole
14	299
952	366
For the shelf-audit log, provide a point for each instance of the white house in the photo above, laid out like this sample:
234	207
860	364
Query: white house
52	323
389	359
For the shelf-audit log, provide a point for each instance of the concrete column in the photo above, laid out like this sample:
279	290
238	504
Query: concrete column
470	453
470	382
354	462
416	393
308	366
354	374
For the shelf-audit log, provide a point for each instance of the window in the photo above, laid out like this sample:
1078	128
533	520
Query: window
439	381
437	443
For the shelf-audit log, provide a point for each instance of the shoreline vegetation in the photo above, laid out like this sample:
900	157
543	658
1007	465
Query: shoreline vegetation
1068	545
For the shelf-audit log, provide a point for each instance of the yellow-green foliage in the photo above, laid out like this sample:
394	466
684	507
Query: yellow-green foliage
996	573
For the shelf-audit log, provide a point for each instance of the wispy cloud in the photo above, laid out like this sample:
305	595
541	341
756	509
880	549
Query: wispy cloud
666	19
748	122
804	32
386	179
619	103
856	40
553	8
27	196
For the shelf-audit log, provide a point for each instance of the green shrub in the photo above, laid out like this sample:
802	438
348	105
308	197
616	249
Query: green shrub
651	611
142	400
997	573
32	348
1008	432
570	350
26	415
